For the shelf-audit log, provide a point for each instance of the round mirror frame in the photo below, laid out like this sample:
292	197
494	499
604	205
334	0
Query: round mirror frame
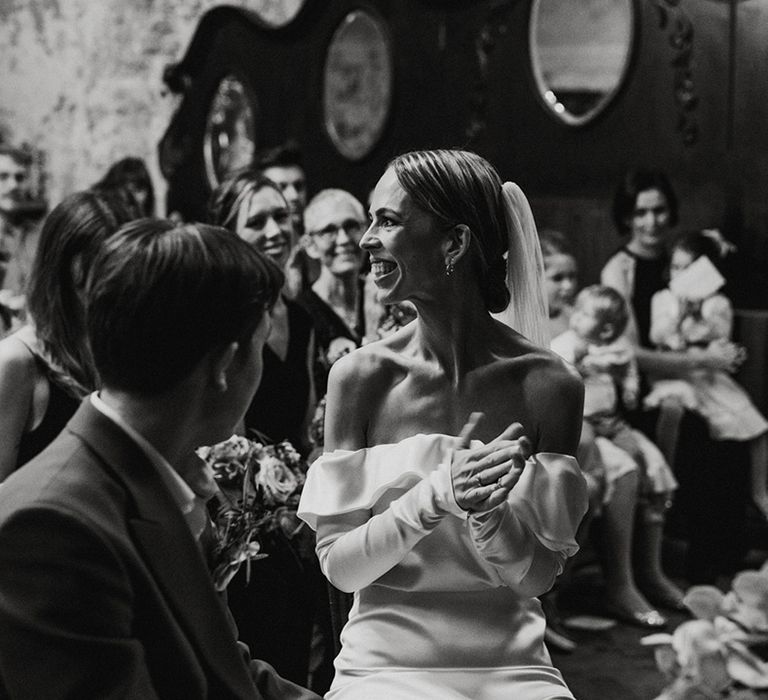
548	99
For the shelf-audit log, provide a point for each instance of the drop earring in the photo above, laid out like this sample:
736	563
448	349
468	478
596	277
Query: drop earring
449	267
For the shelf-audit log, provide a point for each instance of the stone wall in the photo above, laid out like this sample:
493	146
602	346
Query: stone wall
82	79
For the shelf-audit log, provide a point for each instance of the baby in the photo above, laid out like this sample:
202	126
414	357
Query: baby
594	344
688	316
613	477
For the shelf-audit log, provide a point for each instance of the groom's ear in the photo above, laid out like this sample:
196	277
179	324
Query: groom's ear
220	361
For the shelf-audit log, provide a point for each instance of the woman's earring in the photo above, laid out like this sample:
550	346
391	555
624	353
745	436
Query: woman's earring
449	267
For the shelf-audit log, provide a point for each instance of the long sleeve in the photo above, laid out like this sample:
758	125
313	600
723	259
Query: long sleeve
354	554
521	561
356	548
528	538
87	645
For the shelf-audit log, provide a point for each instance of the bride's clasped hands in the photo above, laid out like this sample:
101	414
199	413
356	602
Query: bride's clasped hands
483	476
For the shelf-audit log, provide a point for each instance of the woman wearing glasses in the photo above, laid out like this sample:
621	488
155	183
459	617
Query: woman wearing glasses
334	222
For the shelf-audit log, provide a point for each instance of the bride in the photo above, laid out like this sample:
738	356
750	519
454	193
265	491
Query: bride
446	527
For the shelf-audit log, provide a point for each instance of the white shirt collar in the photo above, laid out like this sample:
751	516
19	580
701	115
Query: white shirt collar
191	505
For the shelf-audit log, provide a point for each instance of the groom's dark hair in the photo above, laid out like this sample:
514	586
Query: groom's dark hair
160	296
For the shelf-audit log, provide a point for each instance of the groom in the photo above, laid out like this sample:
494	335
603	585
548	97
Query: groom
104	590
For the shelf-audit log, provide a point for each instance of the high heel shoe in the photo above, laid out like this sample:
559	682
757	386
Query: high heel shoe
668	601
650	620
667	596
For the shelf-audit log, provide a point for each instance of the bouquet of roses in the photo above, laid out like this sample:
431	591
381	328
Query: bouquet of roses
259	490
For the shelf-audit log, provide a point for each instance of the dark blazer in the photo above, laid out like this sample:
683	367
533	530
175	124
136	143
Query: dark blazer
104	592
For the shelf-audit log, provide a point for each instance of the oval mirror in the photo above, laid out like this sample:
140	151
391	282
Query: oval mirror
580	53
357	84
230	130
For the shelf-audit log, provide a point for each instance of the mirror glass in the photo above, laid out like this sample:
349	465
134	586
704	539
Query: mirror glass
230	139
580	53
357	85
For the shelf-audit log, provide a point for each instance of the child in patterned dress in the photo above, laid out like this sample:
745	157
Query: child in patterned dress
688	316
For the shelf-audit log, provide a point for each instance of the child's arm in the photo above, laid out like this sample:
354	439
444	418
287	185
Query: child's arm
717	314
665	320
626	373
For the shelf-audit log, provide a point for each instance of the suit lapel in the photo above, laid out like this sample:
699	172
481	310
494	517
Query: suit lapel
166	544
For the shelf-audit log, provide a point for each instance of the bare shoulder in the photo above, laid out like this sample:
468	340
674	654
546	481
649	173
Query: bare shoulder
547	374
554	397
16	359
357	384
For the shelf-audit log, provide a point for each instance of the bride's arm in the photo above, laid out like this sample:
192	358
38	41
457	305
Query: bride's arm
528	538
357	548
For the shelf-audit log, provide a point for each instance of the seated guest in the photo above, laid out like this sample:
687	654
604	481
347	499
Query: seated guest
612	476
45	367
335	222
712	475
594	344
105	590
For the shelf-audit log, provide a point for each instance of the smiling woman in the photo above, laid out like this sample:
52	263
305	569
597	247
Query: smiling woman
281	595
334	222
444	539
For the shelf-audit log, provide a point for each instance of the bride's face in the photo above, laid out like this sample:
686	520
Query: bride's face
404	244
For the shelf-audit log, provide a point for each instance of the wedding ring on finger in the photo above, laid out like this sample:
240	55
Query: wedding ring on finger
478	481
499	485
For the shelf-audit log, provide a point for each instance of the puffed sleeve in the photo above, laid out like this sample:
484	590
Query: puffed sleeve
355	547
619	274
717	313
528	538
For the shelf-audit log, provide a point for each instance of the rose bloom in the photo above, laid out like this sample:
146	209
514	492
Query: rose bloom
277	480
228	459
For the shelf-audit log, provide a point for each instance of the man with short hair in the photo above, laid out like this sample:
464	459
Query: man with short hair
284	165
19	232
105	590
14	174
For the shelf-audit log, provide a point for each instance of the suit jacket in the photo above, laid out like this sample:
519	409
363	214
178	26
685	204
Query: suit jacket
104	592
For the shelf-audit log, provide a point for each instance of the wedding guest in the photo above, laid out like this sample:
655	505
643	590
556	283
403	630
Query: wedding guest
284	165
14	174
612	475
691	319
129	177
280	594
645	211
334	222
19	232
594	344
46	367
105	590
446	528
252	206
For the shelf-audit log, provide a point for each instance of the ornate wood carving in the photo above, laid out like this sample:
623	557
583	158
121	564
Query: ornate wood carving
672	19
